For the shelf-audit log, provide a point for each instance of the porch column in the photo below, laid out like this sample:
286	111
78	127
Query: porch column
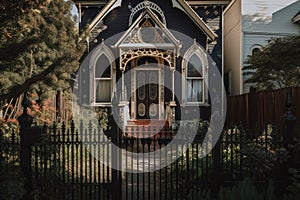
123	103
123	95
173	86
173	103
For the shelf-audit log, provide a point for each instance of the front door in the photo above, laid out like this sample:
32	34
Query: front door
147	94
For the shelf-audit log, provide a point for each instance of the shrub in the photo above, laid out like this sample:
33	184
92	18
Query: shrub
244	190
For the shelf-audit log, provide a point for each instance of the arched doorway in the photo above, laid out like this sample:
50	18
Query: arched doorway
147	93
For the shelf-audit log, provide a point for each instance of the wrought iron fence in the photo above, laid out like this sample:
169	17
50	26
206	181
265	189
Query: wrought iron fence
62	165
11	178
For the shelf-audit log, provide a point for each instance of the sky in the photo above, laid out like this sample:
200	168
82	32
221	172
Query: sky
264	7
74	10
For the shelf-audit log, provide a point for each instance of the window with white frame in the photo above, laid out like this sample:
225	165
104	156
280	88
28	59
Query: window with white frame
102	75
194	67
103	80
194	79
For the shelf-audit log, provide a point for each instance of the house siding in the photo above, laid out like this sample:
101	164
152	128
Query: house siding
232	45
258	31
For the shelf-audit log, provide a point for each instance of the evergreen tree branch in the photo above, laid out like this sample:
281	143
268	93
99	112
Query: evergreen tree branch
20	89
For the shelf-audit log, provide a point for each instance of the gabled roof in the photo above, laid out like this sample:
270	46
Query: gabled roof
173	42
185	7
181	4
97	21
112	4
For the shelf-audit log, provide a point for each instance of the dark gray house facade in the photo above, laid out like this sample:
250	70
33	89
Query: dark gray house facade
154	55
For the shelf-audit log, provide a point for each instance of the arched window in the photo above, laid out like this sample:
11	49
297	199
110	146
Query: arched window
194	79
195	73
102	67
255	50
103	80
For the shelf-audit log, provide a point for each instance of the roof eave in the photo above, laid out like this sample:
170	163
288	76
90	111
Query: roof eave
108	7
195	17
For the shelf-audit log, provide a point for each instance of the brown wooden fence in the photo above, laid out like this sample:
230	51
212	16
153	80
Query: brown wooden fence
256	108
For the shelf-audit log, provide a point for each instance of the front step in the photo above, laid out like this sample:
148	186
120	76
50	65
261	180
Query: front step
145	128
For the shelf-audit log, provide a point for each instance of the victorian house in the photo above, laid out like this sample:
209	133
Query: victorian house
153	55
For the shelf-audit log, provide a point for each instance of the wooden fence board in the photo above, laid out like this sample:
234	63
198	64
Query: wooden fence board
254	109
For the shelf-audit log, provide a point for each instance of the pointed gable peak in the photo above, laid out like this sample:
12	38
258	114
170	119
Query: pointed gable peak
150	5
148	31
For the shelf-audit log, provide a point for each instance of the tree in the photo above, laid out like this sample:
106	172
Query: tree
276	65
39	47
38	44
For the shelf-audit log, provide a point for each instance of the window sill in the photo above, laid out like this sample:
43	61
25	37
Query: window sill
108	104
190	104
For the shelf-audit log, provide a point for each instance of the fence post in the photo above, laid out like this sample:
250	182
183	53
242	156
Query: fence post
25	121
290	121
116	190
216	156
216	166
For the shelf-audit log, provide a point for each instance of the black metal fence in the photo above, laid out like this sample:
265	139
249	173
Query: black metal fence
63	166
61	161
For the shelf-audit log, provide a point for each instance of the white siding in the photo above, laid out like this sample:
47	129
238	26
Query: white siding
257	30
263	7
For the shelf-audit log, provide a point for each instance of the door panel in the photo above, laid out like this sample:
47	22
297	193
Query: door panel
147	94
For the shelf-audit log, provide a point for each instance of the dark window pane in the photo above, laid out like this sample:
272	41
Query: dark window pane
255	50
103	69
194	66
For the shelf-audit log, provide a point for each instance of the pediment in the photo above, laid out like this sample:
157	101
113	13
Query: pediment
147	31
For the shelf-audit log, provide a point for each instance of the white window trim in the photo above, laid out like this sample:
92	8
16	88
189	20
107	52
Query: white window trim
202	55
258	46
100	50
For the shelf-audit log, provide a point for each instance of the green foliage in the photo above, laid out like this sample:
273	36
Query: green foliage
39	42
295	151
102	116
294	173
231	149
294	187
258	161
201	194
11	186
276	65
11	180
260	158
245	190
7	127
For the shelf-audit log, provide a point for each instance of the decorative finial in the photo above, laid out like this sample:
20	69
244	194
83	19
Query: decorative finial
25	119
146	3
288	104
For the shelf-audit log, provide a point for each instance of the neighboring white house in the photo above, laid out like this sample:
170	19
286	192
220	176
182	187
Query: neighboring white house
249	24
